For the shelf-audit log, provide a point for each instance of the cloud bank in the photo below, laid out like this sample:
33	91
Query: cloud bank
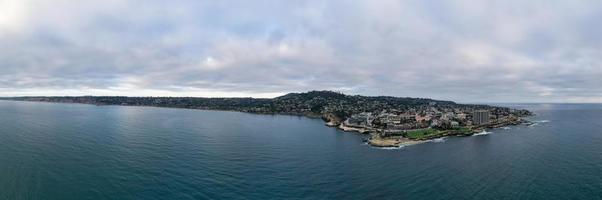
462	50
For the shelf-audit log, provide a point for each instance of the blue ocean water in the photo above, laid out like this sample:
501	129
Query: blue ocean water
71	151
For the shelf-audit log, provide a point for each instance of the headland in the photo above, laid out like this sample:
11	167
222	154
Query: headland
389	121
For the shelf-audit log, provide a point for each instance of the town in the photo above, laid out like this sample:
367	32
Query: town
395	127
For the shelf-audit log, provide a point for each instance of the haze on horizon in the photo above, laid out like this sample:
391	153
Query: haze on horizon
461	50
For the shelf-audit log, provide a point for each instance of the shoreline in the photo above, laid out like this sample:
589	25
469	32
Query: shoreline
346	128
169	107
375	140
394	142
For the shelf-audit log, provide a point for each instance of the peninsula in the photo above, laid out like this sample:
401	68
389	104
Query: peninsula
390	121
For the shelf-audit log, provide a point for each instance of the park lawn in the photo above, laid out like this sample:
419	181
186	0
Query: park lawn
423	134
463	130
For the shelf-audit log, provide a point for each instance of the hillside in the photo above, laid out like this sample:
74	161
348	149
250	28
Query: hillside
313	103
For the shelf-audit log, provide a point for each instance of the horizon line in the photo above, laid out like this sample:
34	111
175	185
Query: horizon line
235	97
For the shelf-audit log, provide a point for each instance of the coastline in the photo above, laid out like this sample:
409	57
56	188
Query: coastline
375	139
394	142
346	128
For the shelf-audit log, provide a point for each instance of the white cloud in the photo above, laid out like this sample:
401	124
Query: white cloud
464	50
13	15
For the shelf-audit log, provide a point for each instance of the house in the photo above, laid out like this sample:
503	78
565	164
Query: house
455	124
425	118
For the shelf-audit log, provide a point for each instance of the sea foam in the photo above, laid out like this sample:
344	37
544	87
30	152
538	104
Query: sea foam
391	148
438	140
482	133
535	123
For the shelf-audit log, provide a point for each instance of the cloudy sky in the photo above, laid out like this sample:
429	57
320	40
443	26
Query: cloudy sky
462	50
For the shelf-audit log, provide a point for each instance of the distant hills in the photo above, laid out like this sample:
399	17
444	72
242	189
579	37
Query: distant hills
313	103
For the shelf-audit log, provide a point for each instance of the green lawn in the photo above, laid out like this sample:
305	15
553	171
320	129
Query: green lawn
430	133
423	134
463	130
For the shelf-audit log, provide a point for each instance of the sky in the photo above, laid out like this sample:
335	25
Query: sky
461	50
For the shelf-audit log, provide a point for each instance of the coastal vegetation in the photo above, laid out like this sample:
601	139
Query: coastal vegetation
309	103
423	134
430	133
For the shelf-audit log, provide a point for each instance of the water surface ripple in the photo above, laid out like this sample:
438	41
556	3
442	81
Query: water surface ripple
70	151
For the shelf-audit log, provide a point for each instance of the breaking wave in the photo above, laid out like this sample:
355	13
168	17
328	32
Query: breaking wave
483	133
535	123
391	148
438	140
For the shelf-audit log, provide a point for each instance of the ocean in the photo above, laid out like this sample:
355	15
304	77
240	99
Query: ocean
72	151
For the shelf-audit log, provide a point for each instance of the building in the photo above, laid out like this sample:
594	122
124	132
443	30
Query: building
407	118
362	119
448	116
392	119
480	117
420	118
455	124
435	123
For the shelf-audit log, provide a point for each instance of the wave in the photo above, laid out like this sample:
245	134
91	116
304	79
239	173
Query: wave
506	128
482	133
384	148
535	123
438	140
391	148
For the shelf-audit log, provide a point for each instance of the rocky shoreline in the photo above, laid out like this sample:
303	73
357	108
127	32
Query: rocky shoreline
376	140
393	142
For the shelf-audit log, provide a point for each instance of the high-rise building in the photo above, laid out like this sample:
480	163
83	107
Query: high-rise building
480	117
